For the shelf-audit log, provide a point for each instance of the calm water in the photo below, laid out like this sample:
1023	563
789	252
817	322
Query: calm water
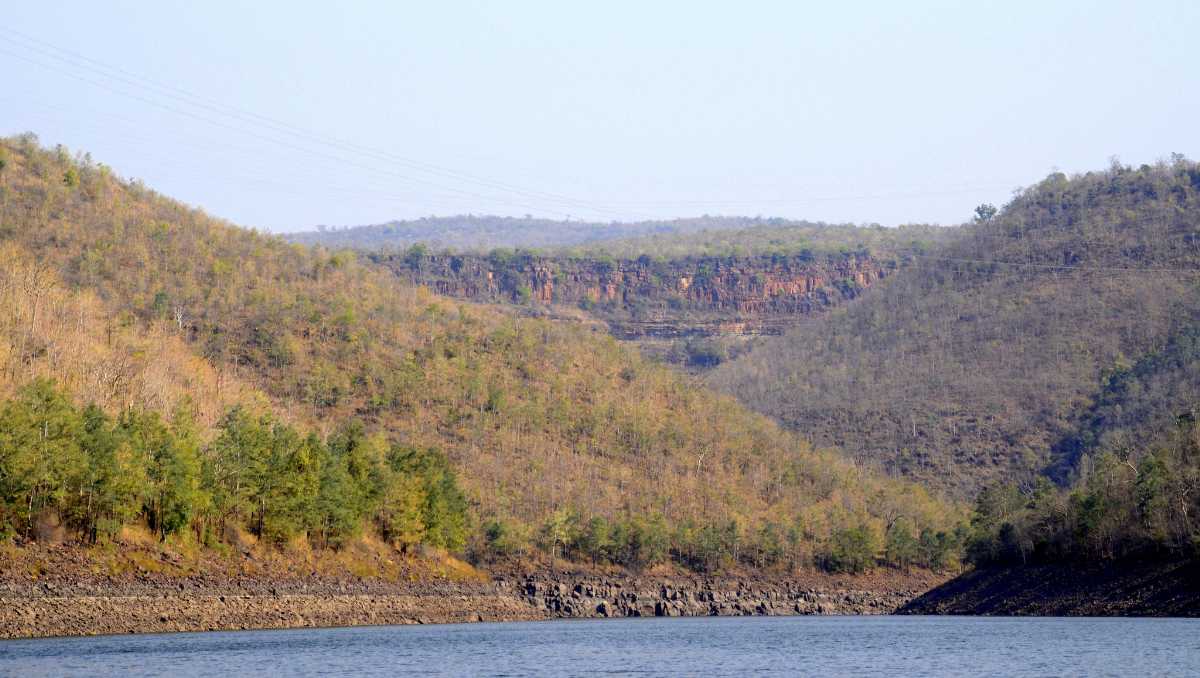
899	646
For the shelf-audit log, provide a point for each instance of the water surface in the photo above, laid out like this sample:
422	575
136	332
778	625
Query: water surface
710	646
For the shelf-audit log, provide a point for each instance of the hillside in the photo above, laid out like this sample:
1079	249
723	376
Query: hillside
989	357
561	439
1120	540
1136	403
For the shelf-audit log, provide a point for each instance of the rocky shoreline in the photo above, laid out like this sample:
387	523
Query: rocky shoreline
66	591
63	603
39	611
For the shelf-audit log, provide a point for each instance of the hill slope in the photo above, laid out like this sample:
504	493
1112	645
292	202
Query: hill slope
552	428
980	361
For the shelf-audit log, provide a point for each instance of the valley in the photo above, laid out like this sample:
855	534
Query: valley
543	339
692	312
221	388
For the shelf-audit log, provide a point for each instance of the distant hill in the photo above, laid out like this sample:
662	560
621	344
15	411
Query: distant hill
1059	325
775	237
701	236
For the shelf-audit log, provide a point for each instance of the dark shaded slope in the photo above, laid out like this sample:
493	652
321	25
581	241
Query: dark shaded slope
1152	589
1135	402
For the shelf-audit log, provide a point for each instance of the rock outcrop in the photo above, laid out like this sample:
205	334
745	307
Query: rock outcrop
655	298
600	597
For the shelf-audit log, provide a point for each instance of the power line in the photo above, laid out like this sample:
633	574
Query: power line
268	177
1096	269
113	73
789	201
302	149
95	67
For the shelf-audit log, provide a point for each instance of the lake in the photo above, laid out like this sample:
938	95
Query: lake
709	646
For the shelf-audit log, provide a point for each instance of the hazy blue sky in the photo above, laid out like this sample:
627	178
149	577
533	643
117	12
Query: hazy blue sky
883	112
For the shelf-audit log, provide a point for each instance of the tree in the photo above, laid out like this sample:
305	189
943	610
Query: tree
266	475
415	255
996	506
40	456
236	464
444	510
286	483
648	542
595	540
339	509
984	213
506	538
852	550
401	513
557	532
109	492
902	548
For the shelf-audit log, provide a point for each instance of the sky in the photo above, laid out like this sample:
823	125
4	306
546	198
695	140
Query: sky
285	115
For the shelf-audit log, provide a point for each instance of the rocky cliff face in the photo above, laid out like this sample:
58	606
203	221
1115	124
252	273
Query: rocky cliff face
655	298
597	597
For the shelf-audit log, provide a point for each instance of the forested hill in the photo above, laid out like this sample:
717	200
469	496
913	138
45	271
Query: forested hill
1062	324
705	236
481	233
243	383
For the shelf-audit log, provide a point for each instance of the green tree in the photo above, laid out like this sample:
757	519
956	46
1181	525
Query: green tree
112	479
852	550
506	538
401	513
647	542
40	456
558	531
167	475
286	485
902	549
595	540
338	510
985	213
445	506
236	464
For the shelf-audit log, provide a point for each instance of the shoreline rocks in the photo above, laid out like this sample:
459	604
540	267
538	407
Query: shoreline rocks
36	609
68	590
105	615
591	597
